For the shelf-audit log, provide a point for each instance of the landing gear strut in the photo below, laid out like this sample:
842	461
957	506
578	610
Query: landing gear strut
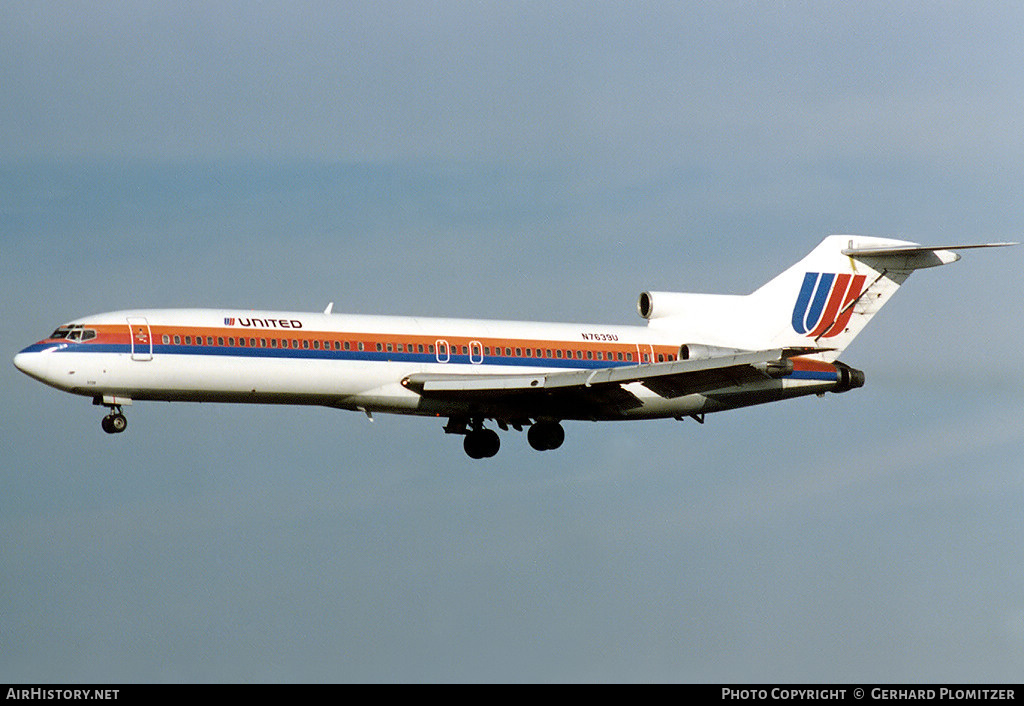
115	422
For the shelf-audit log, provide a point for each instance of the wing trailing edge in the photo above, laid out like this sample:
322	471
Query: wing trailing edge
671	379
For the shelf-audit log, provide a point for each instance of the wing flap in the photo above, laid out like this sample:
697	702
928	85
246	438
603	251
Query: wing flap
670	379
688	383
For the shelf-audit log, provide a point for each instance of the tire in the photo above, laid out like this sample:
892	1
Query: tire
118	423
483	443
546	436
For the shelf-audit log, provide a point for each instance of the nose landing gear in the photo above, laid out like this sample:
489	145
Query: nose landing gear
115	422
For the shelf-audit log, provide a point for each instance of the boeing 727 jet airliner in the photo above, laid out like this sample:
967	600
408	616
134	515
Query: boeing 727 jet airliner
698	353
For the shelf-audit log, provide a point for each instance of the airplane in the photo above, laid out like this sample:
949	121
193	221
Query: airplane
697	353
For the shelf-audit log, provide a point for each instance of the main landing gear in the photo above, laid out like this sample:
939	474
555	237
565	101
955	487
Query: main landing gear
546	436
484	443
115	422
481	443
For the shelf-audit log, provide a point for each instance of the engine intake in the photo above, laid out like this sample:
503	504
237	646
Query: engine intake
696	307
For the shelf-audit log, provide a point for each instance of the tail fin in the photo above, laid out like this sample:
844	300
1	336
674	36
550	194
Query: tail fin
823	301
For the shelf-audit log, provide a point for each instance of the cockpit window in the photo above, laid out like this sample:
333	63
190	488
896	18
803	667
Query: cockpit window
74	332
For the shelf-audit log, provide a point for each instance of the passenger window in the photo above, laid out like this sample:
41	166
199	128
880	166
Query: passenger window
166	339
209	340
618	356
220	340
305	344
661	357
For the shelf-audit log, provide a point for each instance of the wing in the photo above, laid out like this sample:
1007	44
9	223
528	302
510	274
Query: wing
602	392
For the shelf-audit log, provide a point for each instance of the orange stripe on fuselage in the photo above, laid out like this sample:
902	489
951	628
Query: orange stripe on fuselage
523	349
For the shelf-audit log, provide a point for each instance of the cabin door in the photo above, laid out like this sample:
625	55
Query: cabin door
141	337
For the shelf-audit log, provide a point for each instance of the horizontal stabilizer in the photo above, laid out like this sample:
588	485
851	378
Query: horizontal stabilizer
913	256
903	250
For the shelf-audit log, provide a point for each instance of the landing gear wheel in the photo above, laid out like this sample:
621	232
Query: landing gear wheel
482	443
114	423
546	436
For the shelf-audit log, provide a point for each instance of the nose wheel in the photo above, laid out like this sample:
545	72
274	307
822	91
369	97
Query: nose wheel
115	422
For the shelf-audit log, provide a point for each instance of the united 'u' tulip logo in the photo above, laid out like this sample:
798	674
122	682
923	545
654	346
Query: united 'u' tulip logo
825	303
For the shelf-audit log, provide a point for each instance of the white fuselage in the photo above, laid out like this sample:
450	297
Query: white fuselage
354	362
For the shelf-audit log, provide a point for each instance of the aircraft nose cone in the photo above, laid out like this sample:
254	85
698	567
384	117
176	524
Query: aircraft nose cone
33	364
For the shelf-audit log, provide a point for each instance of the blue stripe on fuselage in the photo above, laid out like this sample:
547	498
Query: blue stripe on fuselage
313	354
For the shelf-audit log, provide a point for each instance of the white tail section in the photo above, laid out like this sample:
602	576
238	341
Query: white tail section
823	301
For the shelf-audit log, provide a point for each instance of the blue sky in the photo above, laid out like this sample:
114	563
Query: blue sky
513	160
